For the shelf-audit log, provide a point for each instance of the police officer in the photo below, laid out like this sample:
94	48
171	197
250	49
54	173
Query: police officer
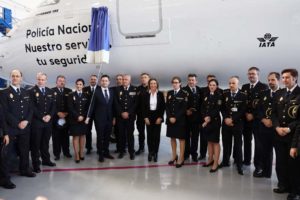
89	90
18	107
284	113
253	91
193	118
266	131
4	141
176	106
140	123
126	100
60	135
43	112
234	109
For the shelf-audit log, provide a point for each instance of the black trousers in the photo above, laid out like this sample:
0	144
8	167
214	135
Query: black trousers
140	125
294	168
116	133
258	149
192	140
247	136
103	130
282	150
266	137
227	134
88	136
153	134
60	140
4	172
39	144
21	144
126	129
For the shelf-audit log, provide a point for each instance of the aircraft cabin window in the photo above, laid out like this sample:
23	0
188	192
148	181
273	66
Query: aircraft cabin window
139	19
48	2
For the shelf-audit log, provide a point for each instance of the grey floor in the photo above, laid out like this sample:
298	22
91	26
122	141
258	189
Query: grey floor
125	179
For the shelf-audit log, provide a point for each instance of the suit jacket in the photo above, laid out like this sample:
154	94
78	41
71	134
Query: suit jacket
126	101
211	105
194	103
234	108
17	108
77	106
102	110
264	106
42	105
141	91
285	111
253	96
176	106
160	106
61	102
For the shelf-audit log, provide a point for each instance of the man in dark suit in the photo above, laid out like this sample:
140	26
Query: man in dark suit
60	135
115	132
18	107
193	118
43	112
125	105
253	91
89	90
102	109
284	119
233	111
266	130
140	123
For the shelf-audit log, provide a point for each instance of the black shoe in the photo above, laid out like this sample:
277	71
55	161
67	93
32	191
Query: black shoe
56	158
28	174
50	164
280	190
213	170
178	165
149	157
258	173
116	151
155	157
81	158
141	150
186	157
208	164
121	155
88	151
37	169
8	185
101	158
292	196
132	156
201	157
108	156
224	164
240	170
77	161
246	163
171	162
68	155
194	158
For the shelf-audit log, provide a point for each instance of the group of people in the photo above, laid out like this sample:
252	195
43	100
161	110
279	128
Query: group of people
30	117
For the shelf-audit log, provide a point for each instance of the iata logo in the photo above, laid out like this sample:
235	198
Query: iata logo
267	40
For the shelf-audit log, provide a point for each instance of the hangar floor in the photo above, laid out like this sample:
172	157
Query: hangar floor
139	179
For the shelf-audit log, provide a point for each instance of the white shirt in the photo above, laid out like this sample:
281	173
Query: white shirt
103	91
254	84
292	89
15	88
153	101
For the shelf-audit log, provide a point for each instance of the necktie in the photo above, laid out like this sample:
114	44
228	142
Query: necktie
61	90
106	96
193	90
18	91
233	94
92	89
79	94
251	87
43	91
125	88
175	92
288	93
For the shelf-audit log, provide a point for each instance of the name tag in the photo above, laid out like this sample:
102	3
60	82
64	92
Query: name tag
234	109
132	93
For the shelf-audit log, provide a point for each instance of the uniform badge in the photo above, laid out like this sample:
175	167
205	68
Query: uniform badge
205	99
226	99
121	93
269	112
74	98
219	102
292	111
169	97
265	98
37	94
11	95
55	93
281	98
